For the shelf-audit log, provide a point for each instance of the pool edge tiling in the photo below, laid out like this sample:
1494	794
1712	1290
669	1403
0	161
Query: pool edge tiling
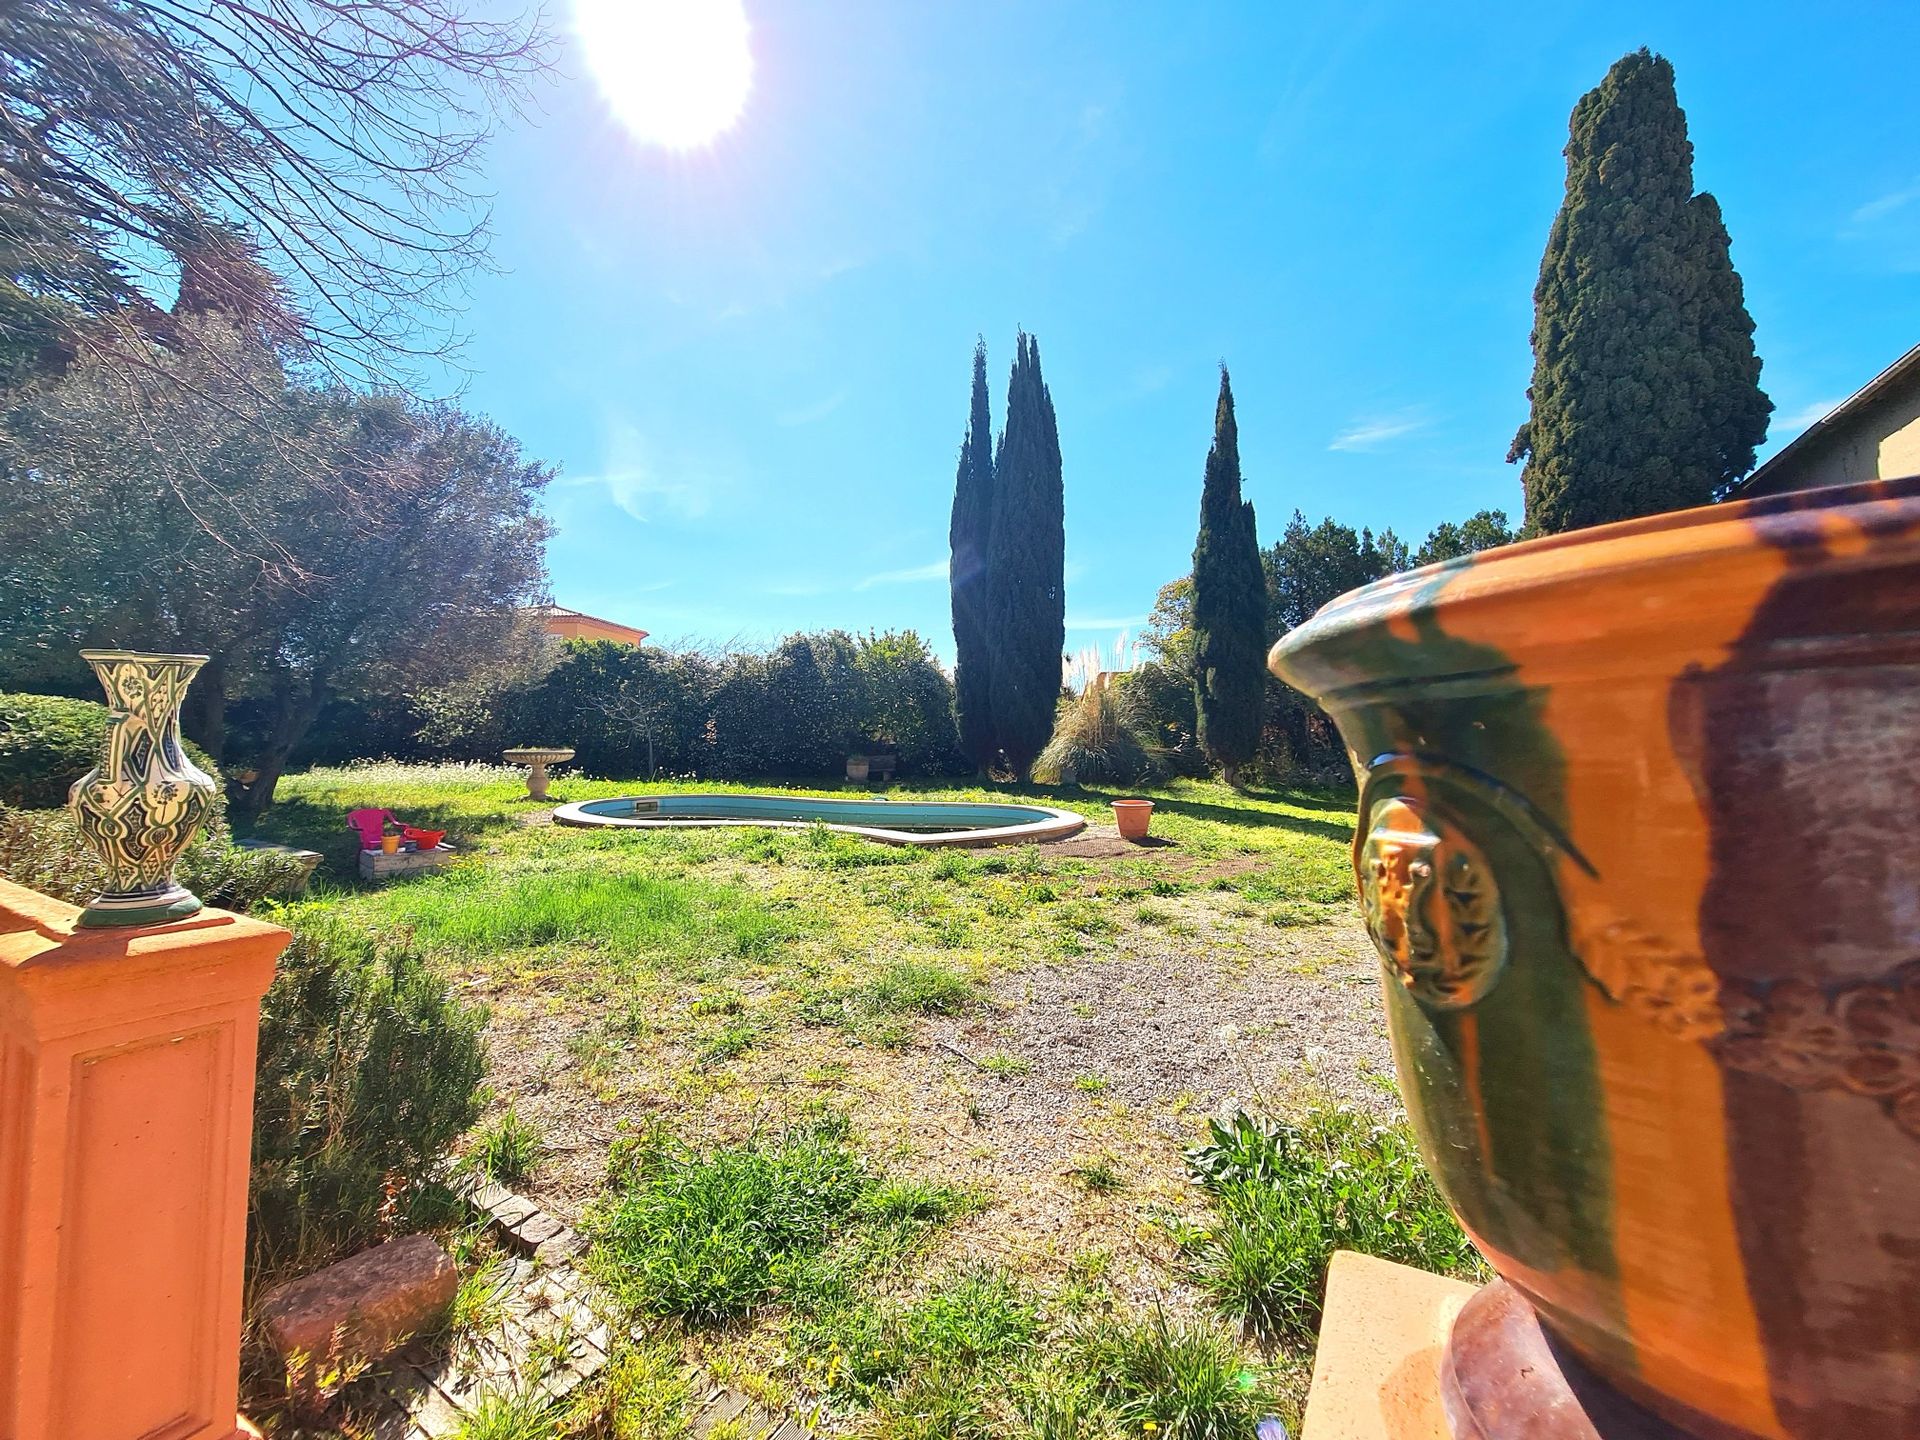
972	822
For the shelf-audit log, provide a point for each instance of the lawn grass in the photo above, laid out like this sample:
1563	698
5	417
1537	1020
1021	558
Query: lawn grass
800	927
764	996
802	1227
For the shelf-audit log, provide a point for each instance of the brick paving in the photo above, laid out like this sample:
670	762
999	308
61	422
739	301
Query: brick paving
553	1325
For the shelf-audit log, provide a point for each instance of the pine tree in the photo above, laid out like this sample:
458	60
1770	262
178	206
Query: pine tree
1645	393
1026	566
967	576
1229	605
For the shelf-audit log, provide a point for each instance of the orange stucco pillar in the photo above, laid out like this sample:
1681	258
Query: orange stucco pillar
126	1112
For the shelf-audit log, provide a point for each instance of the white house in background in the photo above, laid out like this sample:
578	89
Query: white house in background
1874	434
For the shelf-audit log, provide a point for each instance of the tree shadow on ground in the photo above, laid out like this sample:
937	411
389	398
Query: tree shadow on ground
1341	830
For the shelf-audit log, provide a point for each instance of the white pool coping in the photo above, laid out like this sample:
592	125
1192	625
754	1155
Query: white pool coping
1054	824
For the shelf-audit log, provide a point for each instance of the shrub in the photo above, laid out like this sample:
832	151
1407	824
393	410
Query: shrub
628	710
1291	1193
48	741
42	850
1094	737
369	1069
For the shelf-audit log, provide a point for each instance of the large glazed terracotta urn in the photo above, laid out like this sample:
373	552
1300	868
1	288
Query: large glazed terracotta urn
1638	846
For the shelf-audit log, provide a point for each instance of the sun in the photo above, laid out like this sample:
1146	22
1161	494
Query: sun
676	72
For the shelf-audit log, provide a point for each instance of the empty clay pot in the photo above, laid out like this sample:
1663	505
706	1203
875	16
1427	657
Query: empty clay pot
1133	817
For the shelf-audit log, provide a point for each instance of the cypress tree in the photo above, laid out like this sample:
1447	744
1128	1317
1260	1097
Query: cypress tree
1645	393
1026	566
1229	605
1737	408
967	536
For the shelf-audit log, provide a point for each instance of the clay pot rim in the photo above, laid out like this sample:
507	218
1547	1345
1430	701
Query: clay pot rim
1625	574
1116	804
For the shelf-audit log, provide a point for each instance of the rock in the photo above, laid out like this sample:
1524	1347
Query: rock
362	1307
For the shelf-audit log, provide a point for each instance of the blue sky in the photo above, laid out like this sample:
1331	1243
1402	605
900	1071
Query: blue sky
751	360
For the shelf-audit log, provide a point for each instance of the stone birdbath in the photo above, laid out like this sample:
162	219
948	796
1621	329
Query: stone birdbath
536	758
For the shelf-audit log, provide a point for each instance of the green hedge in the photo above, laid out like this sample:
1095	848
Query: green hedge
48	741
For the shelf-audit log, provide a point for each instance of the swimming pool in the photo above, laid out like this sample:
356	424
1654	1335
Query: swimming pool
894	822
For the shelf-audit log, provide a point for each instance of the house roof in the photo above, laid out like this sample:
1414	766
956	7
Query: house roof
1908	365
560	616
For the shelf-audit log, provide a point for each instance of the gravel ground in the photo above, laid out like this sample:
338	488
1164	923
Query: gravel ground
1111	1060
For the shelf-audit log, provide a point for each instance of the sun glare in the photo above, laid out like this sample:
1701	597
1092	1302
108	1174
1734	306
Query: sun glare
675	72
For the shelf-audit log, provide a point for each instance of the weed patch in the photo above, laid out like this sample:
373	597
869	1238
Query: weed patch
709	1236
1288	1194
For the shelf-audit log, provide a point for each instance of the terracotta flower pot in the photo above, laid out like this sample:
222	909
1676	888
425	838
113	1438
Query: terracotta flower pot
1635	847
390	844
1133	817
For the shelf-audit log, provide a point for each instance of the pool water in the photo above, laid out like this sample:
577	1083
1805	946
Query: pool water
897	822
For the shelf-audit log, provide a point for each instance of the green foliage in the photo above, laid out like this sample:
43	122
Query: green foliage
1097	738
1159	695
1172	1380
711	1236
49	741
1312	564
645	1393
1307	567
646	711
1229	604
1645	394
623	913
920	987
114	468
1483	530
42	850
369	1069
1290	1193
968	537
525	1413
1026	566
505	1148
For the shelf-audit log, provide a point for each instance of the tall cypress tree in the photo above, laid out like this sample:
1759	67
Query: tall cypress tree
1026	566
1645	393
1229	605
1737	408
967	576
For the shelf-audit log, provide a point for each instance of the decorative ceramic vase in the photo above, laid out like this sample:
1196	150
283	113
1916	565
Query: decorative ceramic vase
1636	849
143	802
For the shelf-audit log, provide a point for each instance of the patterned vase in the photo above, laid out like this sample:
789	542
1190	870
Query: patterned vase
1635	849
140	806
